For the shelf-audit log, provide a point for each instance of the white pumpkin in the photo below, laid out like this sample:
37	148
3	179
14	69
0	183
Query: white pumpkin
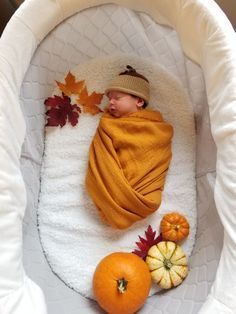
167	263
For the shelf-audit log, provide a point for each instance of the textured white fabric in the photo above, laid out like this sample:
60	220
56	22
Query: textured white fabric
213	48
27	299
17	293
53	58
68	220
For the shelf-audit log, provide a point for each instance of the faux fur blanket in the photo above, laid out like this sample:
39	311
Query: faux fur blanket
72	235
128	161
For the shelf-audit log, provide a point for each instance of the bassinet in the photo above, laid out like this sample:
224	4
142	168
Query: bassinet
208	39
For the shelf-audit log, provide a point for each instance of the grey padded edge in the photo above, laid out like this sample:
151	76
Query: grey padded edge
94	32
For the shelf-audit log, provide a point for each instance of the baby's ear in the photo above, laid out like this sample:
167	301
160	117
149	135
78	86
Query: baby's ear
140	102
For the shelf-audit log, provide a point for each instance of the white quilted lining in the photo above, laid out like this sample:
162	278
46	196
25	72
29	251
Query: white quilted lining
56	55
213	48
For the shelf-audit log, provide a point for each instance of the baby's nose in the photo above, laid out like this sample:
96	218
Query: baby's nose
111	103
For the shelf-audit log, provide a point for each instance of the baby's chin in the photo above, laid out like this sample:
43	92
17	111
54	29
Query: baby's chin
118	114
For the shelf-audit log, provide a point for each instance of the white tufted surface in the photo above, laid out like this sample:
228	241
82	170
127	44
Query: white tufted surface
68	220
102	31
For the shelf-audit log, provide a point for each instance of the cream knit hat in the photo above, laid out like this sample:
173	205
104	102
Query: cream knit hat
131	82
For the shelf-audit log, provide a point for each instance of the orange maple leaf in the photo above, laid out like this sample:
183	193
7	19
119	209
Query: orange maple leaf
90	102
71	86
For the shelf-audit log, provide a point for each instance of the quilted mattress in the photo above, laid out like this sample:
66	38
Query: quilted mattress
70	34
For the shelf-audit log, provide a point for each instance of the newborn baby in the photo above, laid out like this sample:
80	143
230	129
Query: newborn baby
130	154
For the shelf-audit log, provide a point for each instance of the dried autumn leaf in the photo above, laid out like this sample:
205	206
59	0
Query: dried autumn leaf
90	102
145	244
61	110
71	86
56	101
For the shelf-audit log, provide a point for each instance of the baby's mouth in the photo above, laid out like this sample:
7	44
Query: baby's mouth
113	112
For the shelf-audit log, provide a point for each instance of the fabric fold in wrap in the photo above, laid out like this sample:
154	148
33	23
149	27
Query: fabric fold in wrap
128	162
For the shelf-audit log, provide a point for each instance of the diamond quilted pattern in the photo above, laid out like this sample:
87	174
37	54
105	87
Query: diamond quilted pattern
103	30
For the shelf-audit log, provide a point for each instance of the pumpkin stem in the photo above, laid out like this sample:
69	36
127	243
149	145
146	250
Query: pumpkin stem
177	227
167	264
122	285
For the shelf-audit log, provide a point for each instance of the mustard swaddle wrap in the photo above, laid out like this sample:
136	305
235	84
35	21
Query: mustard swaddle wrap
128	162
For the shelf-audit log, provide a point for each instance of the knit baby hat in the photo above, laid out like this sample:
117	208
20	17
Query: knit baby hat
131	82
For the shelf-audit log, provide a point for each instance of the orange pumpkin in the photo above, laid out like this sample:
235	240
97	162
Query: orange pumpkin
174	227
121	283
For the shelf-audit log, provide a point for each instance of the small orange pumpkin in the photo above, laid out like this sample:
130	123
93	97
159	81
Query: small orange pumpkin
174	227
121	283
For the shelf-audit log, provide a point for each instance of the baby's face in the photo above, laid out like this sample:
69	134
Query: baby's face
121	104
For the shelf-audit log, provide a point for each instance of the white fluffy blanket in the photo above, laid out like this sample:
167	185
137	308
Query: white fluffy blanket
73	237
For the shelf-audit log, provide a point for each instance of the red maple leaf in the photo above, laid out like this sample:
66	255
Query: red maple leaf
145	244
61	110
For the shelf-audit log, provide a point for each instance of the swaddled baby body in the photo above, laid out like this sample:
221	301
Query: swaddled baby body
130	154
